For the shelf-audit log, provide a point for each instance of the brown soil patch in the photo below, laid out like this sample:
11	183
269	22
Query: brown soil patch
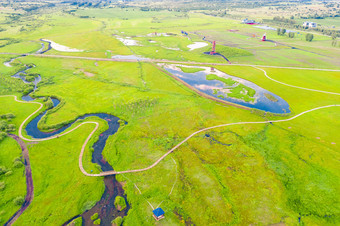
88	74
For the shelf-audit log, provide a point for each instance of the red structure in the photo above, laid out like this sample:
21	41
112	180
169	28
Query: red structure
264	38
213	48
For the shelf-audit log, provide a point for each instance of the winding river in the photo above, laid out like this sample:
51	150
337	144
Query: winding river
105	206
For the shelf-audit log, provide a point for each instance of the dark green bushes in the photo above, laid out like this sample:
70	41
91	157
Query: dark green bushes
19	200
94	216
120	203
5	127
309	37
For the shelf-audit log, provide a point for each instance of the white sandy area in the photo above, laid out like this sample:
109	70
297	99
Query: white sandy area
196	45
158	34
61	48
8	64
128	42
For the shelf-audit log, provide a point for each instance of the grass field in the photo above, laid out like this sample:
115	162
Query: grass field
242	174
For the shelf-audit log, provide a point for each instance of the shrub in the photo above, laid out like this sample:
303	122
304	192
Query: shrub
309	37
2	185
281	31
10	128
3	170
120	203
9	173
118	221
2	136
19	200
291	34
10	116
3	125
94	216
17	164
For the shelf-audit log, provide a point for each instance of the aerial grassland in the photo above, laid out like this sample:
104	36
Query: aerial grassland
13	182
280	172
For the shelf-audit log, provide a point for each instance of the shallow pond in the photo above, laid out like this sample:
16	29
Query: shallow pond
264	27
221	90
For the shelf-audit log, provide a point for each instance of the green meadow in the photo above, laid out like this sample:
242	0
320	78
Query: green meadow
281	172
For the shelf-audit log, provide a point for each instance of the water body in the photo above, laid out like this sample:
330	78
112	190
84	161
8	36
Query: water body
8	63
42	51
264	27
105	207
198	81
22	75
128	41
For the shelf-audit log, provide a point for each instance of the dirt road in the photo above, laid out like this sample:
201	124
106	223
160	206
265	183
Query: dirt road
163	61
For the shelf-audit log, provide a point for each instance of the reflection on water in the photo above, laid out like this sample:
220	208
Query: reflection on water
220	90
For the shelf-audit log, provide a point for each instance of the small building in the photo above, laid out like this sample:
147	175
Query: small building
309	24
158	213
264	38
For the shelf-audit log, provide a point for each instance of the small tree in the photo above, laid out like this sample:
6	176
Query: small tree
291	34
94	216
2	185
334	41
118	221
97	222
19	200
283	31
278	31
309	37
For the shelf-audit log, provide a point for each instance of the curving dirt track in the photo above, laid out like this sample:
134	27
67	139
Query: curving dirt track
108	173
29	180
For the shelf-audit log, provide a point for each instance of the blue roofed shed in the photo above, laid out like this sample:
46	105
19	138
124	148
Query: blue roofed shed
158	213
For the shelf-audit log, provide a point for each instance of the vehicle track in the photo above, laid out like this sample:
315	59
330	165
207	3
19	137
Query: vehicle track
298	87
108	173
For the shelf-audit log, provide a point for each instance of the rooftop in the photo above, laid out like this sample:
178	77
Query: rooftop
158	212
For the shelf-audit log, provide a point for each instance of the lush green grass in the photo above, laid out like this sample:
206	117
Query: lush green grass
191	69
201	176
75	192
118	221
120	203
13	181
242	92
269	173
228	81
9	85
271	97
76	222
